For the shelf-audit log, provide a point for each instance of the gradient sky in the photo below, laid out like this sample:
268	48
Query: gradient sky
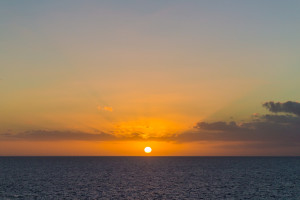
184	77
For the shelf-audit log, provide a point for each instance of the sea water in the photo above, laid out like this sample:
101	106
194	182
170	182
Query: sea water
150	177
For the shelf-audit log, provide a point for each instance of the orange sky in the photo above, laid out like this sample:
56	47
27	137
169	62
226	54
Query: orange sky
109	78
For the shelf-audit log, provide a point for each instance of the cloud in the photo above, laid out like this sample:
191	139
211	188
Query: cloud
48	135
105	108
287	107
231	126
270	129
54	135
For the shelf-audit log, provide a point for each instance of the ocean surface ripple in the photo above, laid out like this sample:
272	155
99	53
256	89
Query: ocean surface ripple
150	178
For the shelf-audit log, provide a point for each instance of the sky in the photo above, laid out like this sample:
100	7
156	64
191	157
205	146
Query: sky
188	78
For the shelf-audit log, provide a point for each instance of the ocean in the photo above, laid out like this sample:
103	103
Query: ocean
149	178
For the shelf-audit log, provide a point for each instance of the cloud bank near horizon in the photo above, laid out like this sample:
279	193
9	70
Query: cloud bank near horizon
272	129
283	129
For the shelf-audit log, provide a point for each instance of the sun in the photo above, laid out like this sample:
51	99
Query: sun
148	150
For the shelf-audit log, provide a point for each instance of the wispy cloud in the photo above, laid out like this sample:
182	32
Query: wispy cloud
53	135
105	108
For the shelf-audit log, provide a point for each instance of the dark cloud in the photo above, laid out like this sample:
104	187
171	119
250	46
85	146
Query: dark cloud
271	129
287	107
282	119
231	126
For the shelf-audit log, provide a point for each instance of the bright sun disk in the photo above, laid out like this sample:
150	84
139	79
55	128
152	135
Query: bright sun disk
148	150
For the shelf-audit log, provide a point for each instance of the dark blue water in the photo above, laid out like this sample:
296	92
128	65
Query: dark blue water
150	178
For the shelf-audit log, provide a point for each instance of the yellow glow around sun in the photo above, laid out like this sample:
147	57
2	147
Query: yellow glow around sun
148	150
148	127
